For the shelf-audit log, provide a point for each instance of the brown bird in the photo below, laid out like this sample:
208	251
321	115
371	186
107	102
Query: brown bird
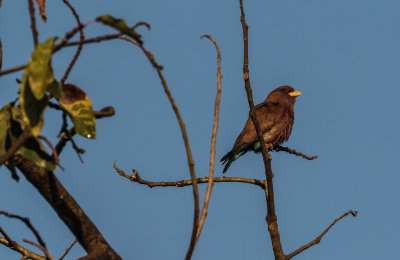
275	116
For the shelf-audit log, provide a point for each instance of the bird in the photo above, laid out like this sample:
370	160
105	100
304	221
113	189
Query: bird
275	116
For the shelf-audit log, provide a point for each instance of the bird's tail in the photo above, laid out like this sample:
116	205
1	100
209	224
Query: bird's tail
228	159
232	156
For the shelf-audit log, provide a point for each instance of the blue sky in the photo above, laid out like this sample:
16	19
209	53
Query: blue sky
344	57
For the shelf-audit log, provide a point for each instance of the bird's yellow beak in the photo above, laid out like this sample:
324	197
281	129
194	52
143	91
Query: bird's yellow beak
295	93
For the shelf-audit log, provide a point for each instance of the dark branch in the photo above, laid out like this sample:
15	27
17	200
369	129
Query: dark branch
68	134
67	250
318	238
292	151
141	24
271	215
67	208
82	37
63	44
33	22
28	223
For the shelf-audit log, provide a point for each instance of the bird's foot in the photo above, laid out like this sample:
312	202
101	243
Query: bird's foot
270	147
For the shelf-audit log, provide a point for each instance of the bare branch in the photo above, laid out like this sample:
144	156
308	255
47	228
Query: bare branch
80	46
27	254
67	209
182	126
11	70
271	215
26	134
141	24
135	177
33	22
28	223
213	140
68	134
68	249
10	241
318	238
292	151
63	44
44	250
55	155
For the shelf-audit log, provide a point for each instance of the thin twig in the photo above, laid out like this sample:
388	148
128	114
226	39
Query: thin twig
182	126
213	140
26	134
44	250
33	22
292	151
28	223
27	254
68	249
318	238
55	155
11	70
10	241
141	24
66	44
80	46
104	112
135	177
271	215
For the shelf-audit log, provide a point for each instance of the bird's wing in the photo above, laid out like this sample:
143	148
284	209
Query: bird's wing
268	115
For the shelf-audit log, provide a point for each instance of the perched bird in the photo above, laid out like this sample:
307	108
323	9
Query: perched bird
275	116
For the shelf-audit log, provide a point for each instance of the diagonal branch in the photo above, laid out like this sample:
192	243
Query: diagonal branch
67	209
80	46
28	223
68	249
318	238
27	254
44	250
213	140
182	126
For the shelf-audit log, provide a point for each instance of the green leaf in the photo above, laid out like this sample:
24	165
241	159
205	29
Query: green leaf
39	68
79	108
11	166
54	88
5	117
32	149
119	25
32	109
38	79
5	142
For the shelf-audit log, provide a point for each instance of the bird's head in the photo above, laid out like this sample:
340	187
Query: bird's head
284	95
